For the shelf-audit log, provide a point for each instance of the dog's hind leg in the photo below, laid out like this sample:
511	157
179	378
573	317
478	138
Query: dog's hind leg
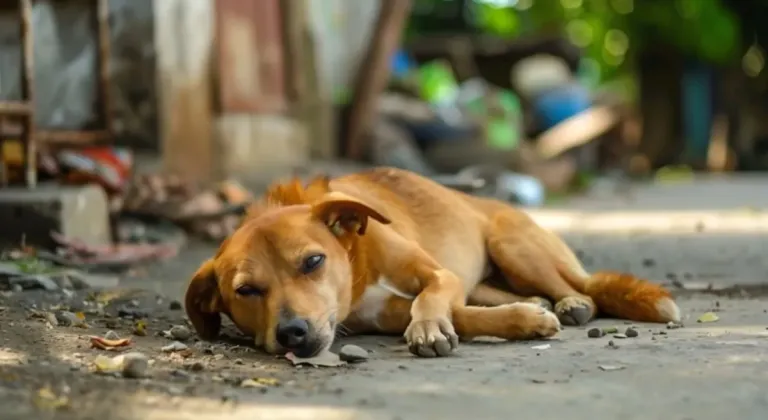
528	256
487	295
539	262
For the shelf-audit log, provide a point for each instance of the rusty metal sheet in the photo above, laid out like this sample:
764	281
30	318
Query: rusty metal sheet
250	56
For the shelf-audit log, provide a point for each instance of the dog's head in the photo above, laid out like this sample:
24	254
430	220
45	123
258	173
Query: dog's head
285	275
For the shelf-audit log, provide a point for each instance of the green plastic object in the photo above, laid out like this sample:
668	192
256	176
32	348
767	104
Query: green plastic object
437	83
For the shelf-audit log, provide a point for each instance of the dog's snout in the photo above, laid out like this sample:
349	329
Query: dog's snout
293	333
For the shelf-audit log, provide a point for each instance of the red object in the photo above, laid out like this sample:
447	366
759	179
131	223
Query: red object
108	166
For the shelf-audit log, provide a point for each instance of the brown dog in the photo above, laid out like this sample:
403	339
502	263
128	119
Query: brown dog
389	251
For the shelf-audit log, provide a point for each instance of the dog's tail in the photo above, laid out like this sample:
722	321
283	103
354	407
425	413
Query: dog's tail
625	296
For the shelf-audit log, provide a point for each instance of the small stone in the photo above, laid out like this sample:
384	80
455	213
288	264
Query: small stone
595	333
673	325
17	288
67	319
175	305
135	365
353	354
649	262
111	335
173	347
612	345
631	332
180	332
180	374
619	336
238	361
195	367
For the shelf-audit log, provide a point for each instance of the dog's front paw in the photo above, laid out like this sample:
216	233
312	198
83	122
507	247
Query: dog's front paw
431	338
533	321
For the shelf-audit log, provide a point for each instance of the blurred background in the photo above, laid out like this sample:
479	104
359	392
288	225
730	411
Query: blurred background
179	110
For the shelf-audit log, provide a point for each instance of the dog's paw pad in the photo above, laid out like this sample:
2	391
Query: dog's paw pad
575	311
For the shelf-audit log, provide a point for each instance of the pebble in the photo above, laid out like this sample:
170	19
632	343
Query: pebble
175	305
631	332
17	288
353	354
175	346
620	336
181	374
135	365
612	345
595	333
195	367
111	335
180	332
67	319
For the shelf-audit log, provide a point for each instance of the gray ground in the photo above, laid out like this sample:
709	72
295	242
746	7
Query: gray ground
702	371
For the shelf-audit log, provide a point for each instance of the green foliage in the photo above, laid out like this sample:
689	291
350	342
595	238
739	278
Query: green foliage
611	32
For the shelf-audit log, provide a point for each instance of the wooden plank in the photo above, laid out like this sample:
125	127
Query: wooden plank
250	56
184	41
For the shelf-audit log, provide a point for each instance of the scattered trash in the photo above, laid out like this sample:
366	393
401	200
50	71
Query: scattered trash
620	336
110	345
673	325
631	332
595	333
174	347
259	383
353	354
708	317
611	368
610	330
542	347
325	359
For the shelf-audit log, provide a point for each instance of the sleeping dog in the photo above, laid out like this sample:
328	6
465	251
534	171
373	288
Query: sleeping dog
389	251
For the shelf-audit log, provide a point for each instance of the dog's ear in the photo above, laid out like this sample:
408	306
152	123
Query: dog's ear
203	302
343	214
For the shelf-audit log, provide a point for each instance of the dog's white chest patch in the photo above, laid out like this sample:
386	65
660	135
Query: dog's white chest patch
375	299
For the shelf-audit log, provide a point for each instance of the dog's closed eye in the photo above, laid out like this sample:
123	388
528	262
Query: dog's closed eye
311	263
247	290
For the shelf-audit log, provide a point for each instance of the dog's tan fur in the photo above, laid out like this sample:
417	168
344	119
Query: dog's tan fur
405	255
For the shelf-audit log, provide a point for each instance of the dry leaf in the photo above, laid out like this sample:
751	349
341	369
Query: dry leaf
259	382
46	399
111	345
325	359
610	368
708	317
104	364
140	328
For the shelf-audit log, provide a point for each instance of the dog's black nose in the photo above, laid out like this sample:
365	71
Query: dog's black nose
292	334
